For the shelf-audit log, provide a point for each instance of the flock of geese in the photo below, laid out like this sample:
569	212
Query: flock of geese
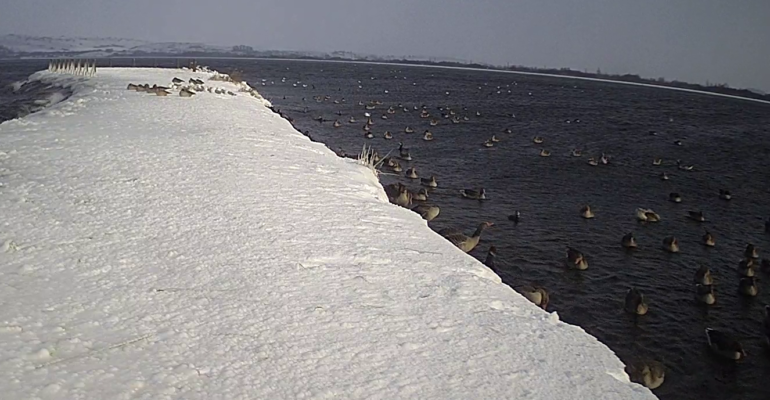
650	373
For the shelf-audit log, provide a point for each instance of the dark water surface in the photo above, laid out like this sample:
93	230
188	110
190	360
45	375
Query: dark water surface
726	140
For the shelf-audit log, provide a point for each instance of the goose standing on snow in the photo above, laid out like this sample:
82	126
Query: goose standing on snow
491	255
675	197
586	212
628	241
747	286
708	239
428	212
724	345
671	245
635	303
576	259
474	194
429	182
705	294
464	242
651	374
703	276
537	295
751	252
411	173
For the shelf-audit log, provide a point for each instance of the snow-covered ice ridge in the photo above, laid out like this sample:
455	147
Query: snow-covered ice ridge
201	248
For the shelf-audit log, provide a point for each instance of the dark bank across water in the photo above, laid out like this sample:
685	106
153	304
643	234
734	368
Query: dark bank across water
725	140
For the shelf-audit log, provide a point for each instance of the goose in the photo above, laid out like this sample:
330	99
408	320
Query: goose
463	242
366	128
725	194
604	159
369	121
657	161
352	120
433	122
670	244
683	167
724	345
391	110
545	153
703	276
402	197
428	136
430	182
751	252
388	135
576	153
408	130
586	212
747	286
628	241
337	123
675	197
592	161
474	194
494	139
507	130
705	294
491	255
663	176
411	173
488	143
537	139
368	135
635	303
428	212
766	325
478	113
647	215
186	93
576	259
678	142
161	92
132	86
515	217
384	116
747	268
696	216
397	167
536	295
708	239
403	153
177	81
421	195
651	374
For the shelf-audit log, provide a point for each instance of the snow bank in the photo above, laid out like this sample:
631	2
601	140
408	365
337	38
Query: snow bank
201	248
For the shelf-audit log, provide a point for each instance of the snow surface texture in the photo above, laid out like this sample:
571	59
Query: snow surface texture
201	248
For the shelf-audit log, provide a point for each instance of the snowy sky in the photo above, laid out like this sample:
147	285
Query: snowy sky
694	40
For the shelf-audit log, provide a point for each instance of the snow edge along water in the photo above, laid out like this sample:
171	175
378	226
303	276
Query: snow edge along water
570	363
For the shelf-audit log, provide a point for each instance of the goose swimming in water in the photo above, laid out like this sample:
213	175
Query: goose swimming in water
428	212
751	252
536	295
708	239
635	303
725	194
537	139
663	176
545	153
515	217
671	245
576	259
696	216
651	374
337	123
462	241
592	161
628	241
433	122
576	153
657	161
491	255
388	135
747	286
411	173
747	268
675	197
494	139
408	130
604	159
422	195
427	136
586	212
352	120
724	345
705	294
396	167
703	276
647	215
474	194
403	153
488	143
368	135
430	182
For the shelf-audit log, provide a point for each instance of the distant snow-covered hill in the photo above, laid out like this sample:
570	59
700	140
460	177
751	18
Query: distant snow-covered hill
97	47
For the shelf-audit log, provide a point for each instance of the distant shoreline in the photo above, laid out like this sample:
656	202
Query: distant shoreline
569	74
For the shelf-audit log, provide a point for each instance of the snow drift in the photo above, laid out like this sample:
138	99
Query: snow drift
201	248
